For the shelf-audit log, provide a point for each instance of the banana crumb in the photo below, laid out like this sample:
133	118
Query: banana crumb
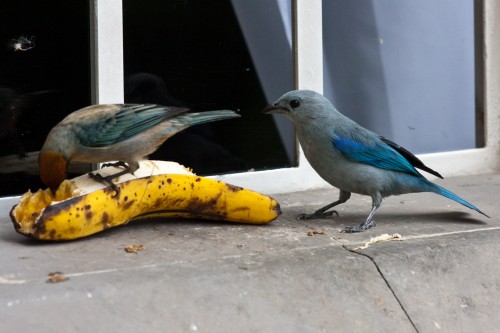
56	277
134	248
315	232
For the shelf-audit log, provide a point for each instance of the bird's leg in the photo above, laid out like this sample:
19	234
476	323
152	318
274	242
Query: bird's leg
369	222
322	212
108	180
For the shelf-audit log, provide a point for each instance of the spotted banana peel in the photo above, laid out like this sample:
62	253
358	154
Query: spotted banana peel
158	189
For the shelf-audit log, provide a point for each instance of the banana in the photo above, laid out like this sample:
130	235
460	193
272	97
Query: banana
82	206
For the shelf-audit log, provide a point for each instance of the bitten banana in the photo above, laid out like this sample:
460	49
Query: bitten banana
82	206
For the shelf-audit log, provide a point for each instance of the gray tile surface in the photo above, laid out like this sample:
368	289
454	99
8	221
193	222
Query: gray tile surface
443	275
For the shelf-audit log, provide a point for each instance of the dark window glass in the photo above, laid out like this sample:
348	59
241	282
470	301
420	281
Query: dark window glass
45	75
210	55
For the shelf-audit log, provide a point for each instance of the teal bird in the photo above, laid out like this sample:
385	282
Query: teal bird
115	132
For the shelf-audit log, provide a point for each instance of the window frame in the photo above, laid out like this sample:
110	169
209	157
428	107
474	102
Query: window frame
108	78
308	63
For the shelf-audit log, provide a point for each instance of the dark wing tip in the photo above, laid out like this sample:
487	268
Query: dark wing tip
414	160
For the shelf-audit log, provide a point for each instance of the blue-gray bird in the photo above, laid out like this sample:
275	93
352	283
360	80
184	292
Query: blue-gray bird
352	158
114	132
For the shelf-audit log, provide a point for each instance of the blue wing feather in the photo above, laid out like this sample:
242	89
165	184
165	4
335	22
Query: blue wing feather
376	153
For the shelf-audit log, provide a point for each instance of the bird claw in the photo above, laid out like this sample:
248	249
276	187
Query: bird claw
360	228
316	215
106	180
116	164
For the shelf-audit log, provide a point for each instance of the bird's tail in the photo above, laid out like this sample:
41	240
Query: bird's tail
196	118
445	193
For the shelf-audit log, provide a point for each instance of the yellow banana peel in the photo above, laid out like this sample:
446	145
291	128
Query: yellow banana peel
82	206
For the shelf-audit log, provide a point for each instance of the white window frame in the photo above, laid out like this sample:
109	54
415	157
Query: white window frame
108	76
308	54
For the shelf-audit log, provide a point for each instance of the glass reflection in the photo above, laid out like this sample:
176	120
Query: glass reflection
45	67
209	55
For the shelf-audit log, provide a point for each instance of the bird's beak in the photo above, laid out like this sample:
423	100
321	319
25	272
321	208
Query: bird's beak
276	109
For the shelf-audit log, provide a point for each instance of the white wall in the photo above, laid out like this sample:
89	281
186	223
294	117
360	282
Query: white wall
404	69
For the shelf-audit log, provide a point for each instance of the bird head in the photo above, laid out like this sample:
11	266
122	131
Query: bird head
53	168
300	105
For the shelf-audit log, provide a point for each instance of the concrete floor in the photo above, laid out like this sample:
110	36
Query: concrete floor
443	275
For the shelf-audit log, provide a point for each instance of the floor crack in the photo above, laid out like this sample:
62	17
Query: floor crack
387	284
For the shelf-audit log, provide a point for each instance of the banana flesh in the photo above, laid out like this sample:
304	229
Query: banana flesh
82	206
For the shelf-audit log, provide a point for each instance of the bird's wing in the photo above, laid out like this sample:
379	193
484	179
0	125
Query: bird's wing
125	122
414	160
373	152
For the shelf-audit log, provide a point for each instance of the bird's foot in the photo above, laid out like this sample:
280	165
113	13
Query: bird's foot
106	180
316	215
116	164
360	228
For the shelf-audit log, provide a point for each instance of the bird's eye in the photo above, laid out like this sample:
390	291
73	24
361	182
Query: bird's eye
294	103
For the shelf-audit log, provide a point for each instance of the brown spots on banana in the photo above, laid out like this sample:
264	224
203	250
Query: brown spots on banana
52	234
40	230
105	221
127	203
243	209
88	212
233	188
197	206
51	213
158	203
